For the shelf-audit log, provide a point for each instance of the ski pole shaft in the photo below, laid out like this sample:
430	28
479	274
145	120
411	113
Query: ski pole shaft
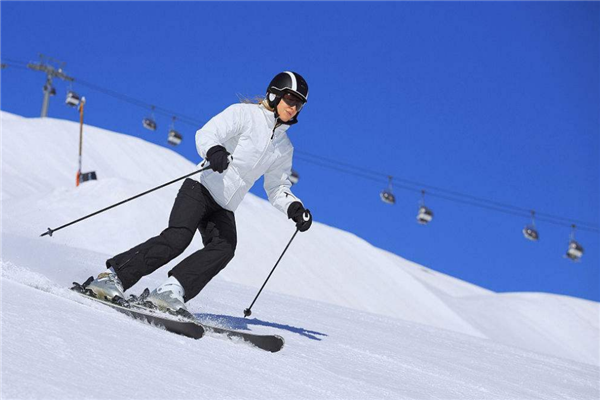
51	231
248	311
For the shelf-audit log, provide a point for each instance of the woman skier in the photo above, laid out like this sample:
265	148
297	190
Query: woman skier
241	144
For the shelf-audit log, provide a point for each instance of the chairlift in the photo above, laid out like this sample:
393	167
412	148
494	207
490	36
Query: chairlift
425	215
529	231
174	137
294	177
386	195
575	250
72	99
149	122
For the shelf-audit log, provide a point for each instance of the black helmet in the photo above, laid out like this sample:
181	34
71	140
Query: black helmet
286	82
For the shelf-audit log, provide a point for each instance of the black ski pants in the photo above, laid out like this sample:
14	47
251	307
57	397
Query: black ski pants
194	208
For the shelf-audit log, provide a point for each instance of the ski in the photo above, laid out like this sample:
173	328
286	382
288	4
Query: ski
190	328
272	343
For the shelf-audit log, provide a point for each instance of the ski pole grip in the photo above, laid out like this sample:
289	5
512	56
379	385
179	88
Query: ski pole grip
229	160
306	216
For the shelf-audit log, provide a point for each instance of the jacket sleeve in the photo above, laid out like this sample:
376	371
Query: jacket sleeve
278	184
220	129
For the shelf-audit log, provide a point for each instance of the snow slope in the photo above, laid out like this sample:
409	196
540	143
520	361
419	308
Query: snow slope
330	353
359	322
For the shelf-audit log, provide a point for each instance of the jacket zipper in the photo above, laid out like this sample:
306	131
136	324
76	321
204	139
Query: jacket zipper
277	125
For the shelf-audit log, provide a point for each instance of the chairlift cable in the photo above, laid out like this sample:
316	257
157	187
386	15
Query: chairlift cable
10	60
520	210
159	110
519	213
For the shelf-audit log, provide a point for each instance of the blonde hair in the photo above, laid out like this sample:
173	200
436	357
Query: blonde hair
255	100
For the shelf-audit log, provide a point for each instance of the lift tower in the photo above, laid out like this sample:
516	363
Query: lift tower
51	72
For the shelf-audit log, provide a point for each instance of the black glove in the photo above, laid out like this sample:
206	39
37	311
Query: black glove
217	156
300	216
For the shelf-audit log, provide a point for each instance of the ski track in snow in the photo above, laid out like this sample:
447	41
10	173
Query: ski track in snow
359	322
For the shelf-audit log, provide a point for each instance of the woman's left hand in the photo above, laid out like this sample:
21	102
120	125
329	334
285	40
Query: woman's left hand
301	216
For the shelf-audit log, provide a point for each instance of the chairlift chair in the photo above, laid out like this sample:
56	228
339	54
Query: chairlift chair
149	122
72	99
424	216
386	195
529	231
294	177
575	251
174	137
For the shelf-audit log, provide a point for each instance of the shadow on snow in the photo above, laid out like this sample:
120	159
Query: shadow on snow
242	324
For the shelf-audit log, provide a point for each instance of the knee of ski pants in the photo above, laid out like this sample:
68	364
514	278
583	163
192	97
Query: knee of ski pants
178	239
229	250
225	247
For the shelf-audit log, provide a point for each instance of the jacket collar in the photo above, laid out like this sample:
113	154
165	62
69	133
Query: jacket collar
271	121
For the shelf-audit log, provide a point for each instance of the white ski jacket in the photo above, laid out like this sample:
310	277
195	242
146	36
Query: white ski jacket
258	148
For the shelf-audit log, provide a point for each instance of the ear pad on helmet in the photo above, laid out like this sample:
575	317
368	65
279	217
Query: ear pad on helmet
272	97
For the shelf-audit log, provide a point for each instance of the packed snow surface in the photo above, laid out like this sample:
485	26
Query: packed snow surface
359	322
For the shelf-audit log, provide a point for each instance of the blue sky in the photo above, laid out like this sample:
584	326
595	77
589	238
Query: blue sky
496	100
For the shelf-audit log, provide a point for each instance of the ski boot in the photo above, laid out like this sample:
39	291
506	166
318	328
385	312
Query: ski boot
107	286
168	297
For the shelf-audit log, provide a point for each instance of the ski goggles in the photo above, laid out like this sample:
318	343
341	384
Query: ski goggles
293	101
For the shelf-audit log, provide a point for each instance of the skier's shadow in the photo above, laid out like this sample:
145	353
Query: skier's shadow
242	324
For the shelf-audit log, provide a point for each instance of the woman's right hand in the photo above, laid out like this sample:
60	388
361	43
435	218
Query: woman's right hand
218	157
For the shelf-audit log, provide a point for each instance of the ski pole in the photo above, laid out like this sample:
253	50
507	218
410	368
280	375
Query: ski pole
248	311
51	231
